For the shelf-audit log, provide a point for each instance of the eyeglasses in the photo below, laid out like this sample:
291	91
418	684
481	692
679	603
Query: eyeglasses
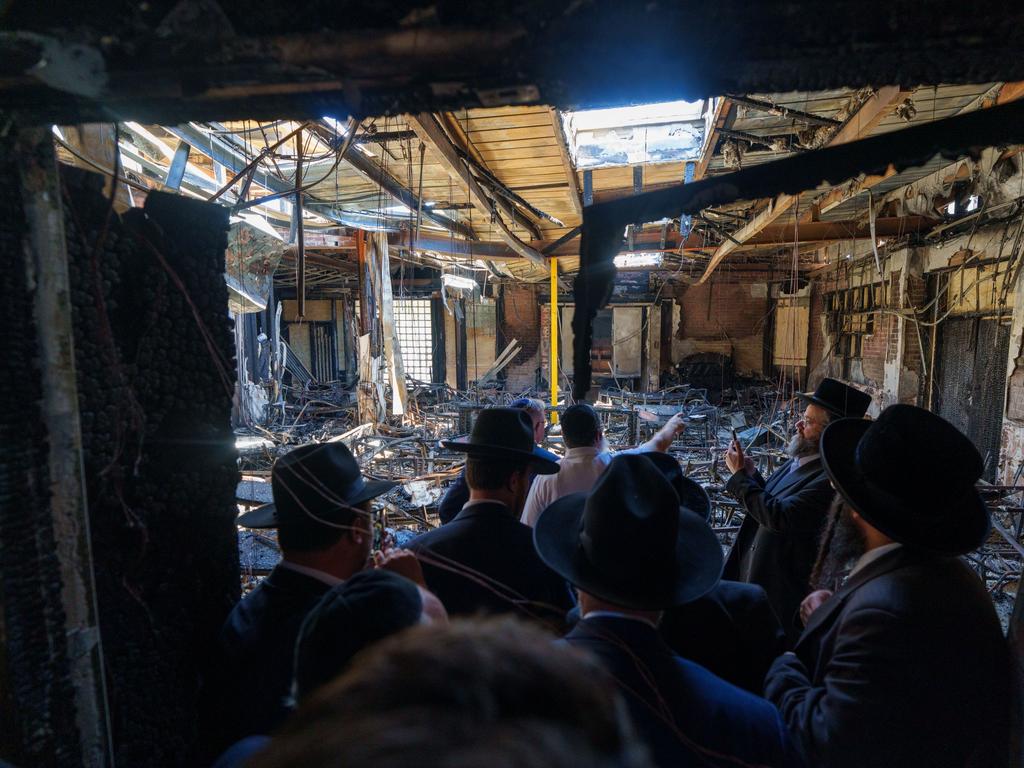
812	422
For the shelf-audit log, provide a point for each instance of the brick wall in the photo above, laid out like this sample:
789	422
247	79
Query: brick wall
728	318
521	320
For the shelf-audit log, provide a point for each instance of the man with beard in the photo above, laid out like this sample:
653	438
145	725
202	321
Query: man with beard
905	665
778	540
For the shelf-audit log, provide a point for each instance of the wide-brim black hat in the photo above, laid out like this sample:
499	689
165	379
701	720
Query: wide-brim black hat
910	474
505	433
322	480
628	541
692	495
838	398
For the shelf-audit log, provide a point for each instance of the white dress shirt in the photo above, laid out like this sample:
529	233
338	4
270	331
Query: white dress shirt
578	471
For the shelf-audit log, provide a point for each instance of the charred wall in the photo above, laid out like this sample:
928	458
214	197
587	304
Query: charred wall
36	697
154	367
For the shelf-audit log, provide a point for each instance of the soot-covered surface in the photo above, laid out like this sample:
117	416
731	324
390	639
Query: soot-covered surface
155	369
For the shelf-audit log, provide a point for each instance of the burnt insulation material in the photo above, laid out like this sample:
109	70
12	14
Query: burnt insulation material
154	352
36	697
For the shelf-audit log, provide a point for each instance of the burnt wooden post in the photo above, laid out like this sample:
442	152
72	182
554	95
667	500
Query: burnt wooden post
47	277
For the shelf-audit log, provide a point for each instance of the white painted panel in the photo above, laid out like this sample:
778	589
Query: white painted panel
627	340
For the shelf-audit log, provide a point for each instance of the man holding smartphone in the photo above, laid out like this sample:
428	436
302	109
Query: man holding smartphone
777	543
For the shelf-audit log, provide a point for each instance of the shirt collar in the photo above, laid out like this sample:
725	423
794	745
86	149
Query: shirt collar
803	460
617	615
587	450
478	502
313	573
873	554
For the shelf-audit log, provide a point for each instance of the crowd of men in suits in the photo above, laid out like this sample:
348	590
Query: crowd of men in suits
581	612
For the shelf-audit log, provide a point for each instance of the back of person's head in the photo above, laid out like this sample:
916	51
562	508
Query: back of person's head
492	692
581	427
485	474
368	607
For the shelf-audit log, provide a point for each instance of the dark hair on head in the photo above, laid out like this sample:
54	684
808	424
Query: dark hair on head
493	692
366	608
490	474
580	425
307	535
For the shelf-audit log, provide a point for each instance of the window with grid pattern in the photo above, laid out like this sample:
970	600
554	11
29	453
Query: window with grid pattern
415	334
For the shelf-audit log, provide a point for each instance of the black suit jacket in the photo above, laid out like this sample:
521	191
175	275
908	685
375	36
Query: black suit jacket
486	543
905	665
778	541
685	714
257	651
731	631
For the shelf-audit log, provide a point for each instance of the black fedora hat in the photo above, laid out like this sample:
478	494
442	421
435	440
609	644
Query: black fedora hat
911	474
839	399
311	482
505	433
629	541
692	495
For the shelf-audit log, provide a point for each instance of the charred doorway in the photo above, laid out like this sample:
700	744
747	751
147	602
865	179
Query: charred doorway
971	378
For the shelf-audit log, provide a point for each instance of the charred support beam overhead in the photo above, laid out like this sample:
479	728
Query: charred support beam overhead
764	141
775	109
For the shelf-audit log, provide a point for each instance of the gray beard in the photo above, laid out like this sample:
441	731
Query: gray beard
799	447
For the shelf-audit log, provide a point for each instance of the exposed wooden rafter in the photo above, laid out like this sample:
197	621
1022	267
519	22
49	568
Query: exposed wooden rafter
434	136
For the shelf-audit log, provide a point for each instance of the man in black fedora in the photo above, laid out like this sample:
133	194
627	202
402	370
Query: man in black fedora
778	541
321	510
483	560
632	552
732	630
905	665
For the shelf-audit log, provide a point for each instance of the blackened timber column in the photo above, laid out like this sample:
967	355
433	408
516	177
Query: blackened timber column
300	244
47	264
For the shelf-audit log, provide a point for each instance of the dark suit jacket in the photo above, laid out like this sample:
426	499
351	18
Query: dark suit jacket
731	631
454	498
905	665
691	711
778	541
488	540
257	649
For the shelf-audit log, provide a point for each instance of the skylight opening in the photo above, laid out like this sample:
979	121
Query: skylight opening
647	133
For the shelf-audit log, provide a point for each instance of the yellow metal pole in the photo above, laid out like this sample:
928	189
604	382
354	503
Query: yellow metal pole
554	338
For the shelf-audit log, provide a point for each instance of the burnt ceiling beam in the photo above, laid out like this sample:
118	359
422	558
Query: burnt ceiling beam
776	109
382	58
377	174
